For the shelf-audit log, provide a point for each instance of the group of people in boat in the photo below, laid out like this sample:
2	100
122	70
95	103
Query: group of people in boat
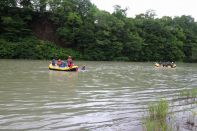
60	63
67	63
165	64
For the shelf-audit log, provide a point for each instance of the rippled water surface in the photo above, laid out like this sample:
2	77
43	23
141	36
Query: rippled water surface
107	96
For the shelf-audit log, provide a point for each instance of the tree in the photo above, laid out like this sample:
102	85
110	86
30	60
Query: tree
26	3
119	13
8	3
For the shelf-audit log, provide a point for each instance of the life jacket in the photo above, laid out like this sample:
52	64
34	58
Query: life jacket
53	62
70	63
59	62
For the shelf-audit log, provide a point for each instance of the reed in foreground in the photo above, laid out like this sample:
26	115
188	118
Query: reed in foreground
157	116
188	93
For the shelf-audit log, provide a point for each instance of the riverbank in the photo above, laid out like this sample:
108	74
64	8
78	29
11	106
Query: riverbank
32	48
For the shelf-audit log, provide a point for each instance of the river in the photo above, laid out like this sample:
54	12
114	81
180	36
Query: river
107	96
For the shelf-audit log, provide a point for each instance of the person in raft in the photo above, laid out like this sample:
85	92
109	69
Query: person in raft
69	61
53	62
83	67
59	62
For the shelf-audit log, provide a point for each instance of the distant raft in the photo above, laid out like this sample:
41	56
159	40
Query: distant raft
165	64
57	68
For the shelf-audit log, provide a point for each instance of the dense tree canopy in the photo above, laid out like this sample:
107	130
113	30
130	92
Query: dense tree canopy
80	28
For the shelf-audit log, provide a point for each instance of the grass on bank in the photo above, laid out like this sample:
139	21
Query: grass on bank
159	119
157	116
188	93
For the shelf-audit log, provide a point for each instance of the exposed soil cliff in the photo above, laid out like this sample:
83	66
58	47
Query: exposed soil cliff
44	29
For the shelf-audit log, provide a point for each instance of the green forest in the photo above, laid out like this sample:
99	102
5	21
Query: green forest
42	29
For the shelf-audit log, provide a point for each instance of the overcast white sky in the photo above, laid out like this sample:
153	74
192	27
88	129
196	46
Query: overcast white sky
162	7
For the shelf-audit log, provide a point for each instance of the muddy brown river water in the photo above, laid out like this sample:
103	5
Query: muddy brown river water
108	96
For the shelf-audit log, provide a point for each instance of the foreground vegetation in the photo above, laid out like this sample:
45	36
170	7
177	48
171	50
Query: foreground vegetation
188	93
82	30
156	119
159	118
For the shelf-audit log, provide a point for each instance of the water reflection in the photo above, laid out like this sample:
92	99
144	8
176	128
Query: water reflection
62	76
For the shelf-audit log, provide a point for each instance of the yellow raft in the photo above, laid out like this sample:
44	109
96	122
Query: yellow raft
57	68
172	65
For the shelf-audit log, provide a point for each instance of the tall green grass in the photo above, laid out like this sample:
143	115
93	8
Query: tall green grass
159	119
158	110
188	93
156	117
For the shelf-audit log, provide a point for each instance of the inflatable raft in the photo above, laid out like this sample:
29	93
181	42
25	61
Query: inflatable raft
169	65
57	68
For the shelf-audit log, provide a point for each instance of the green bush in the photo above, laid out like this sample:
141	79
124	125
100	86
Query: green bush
31	48
121	59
